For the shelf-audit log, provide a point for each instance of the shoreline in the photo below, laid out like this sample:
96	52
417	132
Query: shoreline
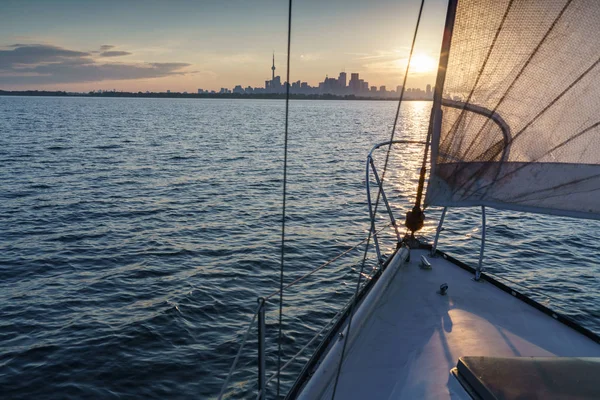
44	93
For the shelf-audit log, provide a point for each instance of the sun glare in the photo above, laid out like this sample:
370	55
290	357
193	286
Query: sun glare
422	63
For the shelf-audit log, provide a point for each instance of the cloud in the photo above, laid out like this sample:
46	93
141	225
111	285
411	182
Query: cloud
394	62
106	47
310	56
24	55
46	64
384	66
382	55
114	53
169	65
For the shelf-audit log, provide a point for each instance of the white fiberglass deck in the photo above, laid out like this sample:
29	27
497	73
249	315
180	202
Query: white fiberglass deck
412	337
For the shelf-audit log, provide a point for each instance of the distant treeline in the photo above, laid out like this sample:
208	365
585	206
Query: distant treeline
192	95
33	93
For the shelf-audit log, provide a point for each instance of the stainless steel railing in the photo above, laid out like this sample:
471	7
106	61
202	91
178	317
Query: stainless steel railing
370	168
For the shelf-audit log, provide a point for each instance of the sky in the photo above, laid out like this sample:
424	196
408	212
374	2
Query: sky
183	45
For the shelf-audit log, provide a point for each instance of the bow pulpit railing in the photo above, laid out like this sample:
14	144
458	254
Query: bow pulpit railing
373	206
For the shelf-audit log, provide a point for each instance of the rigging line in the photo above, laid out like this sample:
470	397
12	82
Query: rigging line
477	174
522	70
523	197
239	353
415	218
525	165
285	157
362	267
325	264
311	341
543	111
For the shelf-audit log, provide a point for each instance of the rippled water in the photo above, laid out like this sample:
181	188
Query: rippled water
138	233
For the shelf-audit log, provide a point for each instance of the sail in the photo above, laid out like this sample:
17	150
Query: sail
517	118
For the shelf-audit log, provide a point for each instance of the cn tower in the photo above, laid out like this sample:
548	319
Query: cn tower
273	68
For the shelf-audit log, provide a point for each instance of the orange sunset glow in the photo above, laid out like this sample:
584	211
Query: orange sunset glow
186	45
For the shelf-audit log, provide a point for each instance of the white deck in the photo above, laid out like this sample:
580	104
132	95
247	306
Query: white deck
412	337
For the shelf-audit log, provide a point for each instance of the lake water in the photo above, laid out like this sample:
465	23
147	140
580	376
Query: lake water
136	235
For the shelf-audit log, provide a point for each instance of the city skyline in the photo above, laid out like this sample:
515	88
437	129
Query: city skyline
184	45
339	86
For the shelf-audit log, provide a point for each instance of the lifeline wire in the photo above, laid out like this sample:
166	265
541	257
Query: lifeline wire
285	153
362	267
237	356
320	267
245	338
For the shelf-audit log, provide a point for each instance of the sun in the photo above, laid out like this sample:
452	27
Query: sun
422	63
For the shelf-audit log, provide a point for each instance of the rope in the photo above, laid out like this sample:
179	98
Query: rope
237	356
285	154
362	267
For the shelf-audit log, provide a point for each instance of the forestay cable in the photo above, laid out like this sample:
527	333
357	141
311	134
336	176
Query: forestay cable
415	218
362	267
285	153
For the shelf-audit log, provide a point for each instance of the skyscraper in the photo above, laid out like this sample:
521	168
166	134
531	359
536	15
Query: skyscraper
342	79
354	83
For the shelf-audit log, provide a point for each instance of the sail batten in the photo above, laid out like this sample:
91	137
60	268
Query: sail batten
518	122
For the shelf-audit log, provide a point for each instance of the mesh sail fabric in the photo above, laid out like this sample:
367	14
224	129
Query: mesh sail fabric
519	126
